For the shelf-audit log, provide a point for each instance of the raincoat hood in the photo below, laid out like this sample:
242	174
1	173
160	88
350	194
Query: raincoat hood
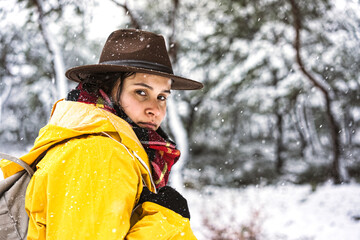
73	119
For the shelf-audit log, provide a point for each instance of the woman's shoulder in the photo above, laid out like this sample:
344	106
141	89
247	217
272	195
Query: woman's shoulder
79	152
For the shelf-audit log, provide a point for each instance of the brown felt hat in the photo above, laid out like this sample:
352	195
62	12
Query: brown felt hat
132	50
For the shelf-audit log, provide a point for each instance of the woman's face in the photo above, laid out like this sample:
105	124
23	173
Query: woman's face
143	98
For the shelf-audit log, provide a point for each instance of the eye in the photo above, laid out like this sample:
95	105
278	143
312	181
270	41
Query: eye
162	98
140	92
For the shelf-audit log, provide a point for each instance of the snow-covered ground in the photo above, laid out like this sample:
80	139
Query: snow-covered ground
277	212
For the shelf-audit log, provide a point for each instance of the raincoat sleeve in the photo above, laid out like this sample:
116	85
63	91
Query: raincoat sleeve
83	189
152	221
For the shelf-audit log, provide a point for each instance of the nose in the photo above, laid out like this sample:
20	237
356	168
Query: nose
153	109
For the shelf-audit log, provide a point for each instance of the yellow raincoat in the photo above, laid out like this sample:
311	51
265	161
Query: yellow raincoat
86	187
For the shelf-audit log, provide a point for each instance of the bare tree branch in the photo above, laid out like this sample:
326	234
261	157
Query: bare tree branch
334	127
134	21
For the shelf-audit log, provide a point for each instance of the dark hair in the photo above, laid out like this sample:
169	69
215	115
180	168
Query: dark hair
106	82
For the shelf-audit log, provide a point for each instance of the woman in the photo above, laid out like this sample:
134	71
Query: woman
105	161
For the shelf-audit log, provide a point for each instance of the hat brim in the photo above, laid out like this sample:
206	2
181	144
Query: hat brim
80	73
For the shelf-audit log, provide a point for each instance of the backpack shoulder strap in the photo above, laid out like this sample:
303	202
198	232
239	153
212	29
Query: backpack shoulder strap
30	169
18	161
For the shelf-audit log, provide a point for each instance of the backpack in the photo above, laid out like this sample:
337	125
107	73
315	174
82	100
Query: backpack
13	217
14	220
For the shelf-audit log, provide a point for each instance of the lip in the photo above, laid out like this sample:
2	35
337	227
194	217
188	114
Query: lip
148	125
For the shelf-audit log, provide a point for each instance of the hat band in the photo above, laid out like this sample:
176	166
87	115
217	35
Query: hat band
141	64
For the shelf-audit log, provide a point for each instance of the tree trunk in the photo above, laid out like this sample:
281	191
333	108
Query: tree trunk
303	143
300	126
279	143
176	125
55	51
4	96
181	138
338	172
279	148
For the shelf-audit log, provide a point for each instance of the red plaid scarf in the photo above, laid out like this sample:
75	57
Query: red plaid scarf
160	149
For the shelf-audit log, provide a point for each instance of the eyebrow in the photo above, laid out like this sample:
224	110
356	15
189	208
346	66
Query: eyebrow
150	87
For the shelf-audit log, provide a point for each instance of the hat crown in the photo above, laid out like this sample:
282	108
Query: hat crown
135	46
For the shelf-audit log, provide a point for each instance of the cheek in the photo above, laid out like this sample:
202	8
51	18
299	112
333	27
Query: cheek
126	100
133	108
130	105
126	103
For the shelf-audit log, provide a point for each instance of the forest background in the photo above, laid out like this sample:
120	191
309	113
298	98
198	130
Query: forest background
281	96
